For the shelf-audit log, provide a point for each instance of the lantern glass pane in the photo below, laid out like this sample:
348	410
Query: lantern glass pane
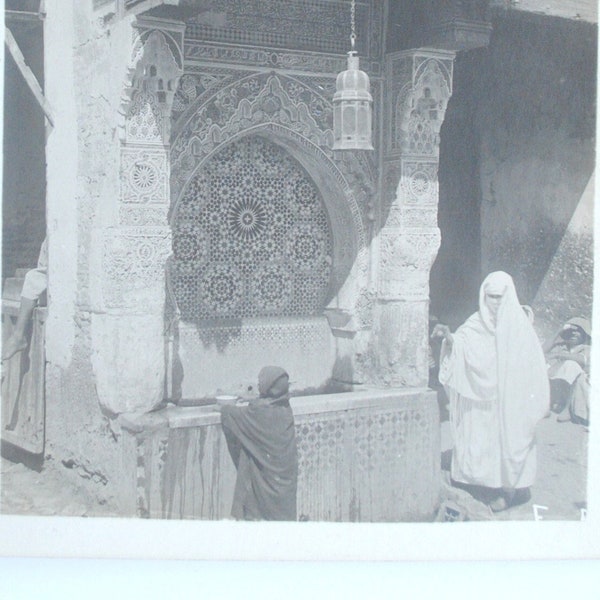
349	121
337	122
363	120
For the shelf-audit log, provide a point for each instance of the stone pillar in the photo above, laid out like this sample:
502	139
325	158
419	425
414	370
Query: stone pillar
418	87
128	338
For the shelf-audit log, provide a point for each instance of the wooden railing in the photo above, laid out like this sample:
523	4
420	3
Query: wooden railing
23	398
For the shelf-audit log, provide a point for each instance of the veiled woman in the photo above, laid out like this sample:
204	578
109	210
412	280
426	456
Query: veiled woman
262	443
494	372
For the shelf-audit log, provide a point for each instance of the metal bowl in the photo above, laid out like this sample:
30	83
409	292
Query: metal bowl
226	400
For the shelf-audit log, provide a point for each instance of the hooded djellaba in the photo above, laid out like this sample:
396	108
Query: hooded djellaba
262	443
494	371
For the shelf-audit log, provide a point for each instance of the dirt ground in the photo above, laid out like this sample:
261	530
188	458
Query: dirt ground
50	489
560	489
558	494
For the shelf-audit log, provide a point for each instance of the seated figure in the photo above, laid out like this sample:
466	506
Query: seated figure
35	284
568	356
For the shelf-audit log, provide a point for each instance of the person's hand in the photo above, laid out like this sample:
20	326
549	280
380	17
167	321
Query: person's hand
441	331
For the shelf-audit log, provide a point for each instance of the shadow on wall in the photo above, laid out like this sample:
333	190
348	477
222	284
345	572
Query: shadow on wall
536	119
516	153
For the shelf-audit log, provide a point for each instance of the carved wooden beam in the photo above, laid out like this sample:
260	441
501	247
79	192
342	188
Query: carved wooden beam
28	75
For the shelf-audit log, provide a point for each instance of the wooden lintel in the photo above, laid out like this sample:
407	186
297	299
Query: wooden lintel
20	15
28	75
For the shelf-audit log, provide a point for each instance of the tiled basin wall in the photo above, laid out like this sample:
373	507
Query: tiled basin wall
371	455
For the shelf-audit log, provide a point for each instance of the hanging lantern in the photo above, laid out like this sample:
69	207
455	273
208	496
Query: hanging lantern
352	103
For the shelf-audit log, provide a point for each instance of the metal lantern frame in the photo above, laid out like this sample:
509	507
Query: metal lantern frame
352	101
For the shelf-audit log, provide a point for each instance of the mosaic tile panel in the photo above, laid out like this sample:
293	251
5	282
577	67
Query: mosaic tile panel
369	464
251	237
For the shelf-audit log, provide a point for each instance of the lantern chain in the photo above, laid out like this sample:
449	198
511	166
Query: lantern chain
352	24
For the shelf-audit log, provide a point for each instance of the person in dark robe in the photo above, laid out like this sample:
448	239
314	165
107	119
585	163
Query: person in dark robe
262	443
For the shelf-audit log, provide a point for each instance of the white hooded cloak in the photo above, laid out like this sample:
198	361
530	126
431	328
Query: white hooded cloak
496	379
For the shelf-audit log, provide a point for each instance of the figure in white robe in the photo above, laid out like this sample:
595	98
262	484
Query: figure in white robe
494	372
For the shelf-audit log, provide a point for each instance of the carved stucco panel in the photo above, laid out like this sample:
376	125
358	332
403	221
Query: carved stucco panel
144	176
292	110
391	177
153	77
419	182
256	100
133	267
433	72
418	217
409	218
135	216
421	113
410	192
145	121
405	262
419	89
193	86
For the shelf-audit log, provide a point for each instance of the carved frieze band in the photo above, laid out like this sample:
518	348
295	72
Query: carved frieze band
271	58
136	216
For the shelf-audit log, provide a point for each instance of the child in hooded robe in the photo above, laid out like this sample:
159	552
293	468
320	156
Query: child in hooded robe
262	443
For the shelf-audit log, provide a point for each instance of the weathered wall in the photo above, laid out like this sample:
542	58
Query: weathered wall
536	118
516	154
84	86
566	290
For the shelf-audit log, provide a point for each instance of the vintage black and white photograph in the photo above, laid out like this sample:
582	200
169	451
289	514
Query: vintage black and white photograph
314	261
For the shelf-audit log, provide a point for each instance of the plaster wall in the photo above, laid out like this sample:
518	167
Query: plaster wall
536	119
86	68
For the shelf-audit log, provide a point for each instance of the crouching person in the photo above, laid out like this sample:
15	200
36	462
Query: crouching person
568	356
262	443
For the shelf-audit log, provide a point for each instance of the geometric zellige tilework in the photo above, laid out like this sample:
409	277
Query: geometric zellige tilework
251	237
